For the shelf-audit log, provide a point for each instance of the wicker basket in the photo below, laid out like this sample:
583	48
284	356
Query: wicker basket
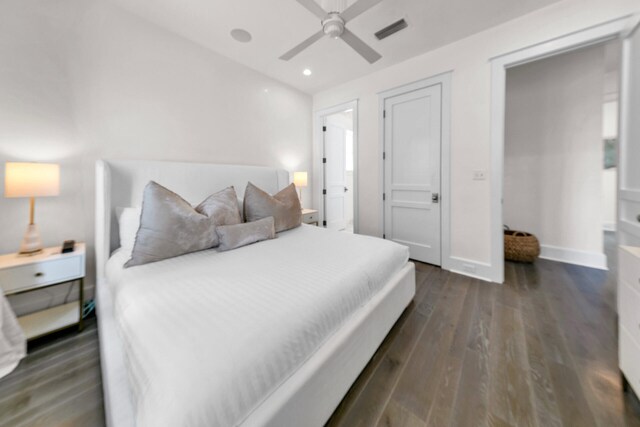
520	246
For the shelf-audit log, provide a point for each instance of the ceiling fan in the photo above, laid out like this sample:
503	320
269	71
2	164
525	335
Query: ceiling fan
333	25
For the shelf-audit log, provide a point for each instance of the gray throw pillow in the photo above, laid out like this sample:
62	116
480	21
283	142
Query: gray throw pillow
170	226
235	236
222	208
284	207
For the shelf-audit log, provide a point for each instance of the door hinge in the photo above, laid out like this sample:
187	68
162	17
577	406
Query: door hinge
324	192
384	196
384	236
324	223
324	128
324	160
384	155
384	114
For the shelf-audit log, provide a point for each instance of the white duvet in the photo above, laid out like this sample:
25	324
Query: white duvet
13	344
210	335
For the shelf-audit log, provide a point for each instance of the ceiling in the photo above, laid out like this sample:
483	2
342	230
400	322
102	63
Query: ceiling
279	25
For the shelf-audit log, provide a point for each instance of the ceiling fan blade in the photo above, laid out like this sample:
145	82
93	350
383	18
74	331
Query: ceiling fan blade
357	8
359	46
302	46
314	8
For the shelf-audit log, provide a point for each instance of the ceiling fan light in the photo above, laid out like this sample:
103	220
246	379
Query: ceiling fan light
333	26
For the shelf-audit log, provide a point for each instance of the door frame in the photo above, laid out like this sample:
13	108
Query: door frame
597	34
443	79
318	155
625	194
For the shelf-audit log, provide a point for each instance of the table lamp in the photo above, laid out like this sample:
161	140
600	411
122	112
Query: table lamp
31	180
300	181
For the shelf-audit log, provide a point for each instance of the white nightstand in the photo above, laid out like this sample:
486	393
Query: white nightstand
310	216
19	274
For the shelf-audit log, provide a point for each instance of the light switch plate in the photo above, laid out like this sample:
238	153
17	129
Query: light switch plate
479	175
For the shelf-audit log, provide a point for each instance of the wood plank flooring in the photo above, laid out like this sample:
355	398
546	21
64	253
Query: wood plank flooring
539	351
57	384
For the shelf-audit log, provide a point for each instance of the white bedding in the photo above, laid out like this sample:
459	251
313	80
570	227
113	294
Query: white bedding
209	336
13	344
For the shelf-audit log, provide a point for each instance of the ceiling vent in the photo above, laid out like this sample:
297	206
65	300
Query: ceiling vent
391	29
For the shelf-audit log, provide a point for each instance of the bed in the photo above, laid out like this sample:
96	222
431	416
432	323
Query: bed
271	334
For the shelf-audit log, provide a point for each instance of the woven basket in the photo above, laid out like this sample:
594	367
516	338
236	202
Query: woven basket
520	246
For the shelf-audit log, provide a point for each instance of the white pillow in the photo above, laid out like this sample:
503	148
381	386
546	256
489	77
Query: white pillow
128	223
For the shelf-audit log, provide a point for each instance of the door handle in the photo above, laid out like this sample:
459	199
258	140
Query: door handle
435	198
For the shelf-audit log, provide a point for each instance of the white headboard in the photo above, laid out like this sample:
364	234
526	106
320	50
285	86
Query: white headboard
119	183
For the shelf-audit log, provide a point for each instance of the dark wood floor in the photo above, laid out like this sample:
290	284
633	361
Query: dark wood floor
539	351
57	384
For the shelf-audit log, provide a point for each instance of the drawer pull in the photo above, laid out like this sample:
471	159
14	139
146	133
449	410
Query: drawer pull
39	274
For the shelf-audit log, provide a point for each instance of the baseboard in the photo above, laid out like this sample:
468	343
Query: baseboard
465	267
572	256
609	226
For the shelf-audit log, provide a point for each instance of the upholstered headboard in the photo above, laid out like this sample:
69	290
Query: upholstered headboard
119	183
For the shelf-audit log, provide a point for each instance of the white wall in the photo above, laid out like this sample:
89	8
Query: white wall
610	124
470	139
609	176
82	80
609	198
554	151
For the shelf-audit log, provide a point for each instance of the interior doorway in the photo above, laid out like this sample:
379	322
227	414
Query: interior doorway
337	169
561	130
415	184
412	171
627	186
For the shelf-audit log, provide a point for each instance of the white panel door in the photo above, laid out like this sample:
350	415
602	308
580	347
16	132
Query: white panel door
412	137
629	149
335	177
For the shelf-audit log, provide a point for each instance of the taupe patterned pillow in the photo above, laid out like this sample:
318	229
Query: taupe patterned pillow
284	207
170	226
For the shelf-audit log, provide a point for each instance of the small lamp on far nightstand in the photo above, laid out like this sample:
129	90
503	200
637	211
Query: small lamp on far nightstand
31	180
300	181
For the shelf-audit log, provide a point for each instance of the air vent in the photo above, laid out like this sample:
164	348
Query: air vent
391	29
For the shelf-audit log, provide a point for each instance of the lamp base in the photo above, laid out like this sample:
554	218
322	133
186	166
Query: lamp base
31	243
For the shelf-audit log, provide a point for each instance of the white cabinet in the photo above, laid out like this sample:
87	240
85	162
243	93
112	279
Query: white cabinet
629	316
310	216
20	273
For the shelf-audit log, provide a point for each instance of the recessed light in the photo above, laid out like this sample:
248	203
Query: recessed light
306	72
243	36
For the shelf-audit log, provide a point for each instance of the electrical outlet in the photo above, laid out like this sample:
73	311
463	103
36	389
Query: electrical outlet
479	175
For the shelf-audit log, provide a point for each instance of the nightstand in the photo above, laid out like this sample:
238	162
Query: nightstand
310	216
19	274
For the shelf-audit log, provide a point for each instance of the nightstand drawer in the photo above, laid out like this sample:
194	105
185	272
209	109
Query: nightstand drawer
33	275
311	217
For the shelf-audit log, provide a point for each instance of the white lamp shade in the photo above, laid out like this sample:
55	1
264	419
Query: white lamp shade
31	179
300	179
